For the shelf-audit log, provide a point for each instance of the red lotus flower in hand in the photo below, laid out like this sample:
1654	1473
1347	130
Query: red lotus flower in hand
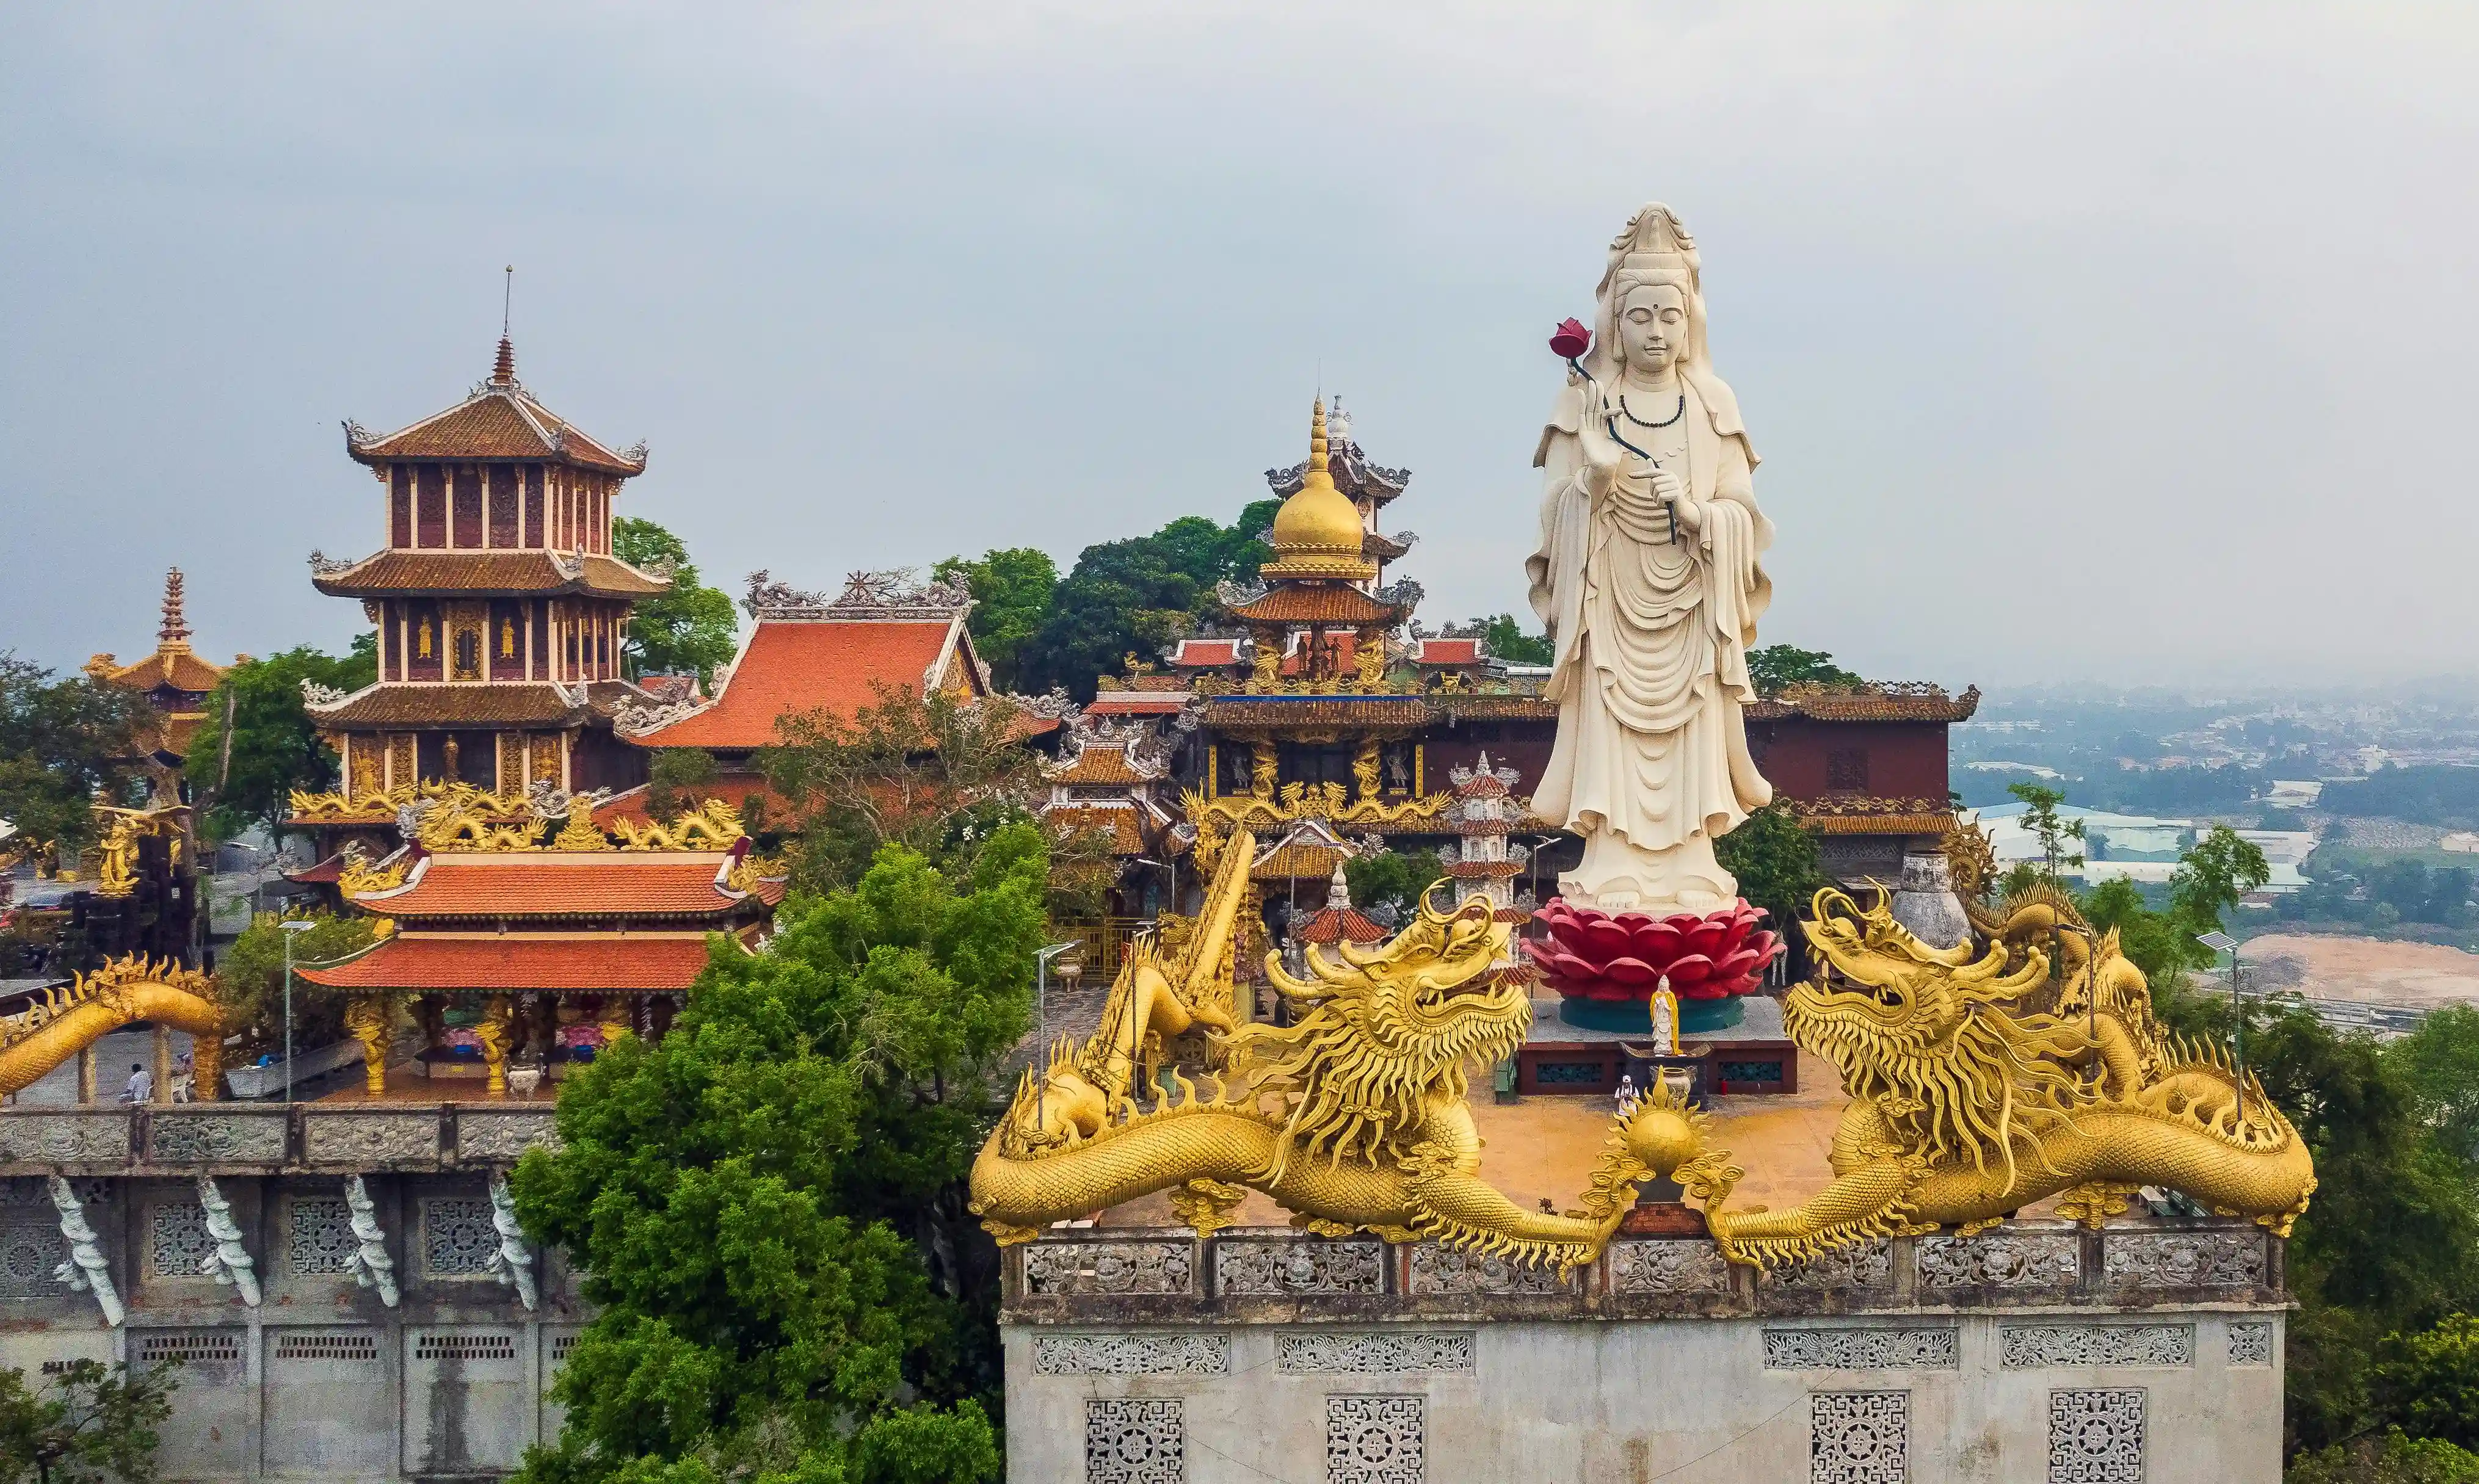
1598	956
1570	339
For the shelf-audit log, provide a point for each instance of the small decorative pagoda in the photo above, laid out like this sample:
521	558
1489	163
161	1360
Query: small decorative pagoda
499	607
1481	863
174	677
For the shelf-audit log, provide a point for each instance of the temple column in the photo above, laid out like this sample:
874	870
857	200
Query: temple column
492	1032
85	1074
366	1020
163	1092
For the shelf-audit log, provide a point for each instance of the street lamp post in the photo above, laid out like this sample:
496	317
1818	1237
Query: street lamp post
292	928
2223	943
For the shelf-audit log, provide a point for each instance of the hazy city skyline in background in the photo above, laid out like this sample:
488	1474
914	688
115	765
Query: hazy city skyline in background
2094	346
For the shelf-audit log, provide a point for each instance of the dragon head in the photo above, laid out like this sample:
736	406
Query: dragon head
1381	1032
1926	1031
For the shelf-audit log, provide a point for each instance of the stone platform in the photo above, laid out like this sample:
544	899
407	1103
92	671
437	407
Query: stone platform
1558	1058
2151	1350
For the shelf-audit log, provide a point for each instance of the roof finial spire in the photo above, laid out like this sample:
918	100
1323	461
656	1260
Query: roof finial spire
176	626
503	370
1316	442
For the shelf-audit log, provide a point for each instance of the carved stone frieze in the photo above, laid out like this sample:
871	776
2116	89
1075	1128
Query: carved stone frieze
1298	1265
1668	1268
1868	1266
370	1141
1437	1271
216	1138
1132	1355
2034	1346
2013	1260
65	1139
493	1136
1373	1353
1874	1348
2184	1260
2251	1344
1110	1268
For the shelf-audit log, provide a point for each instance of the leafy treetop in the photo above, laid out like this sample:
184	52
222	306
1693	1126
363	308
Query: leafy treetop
1778	666
62	744
690	629
1013	588
245	775
92	1423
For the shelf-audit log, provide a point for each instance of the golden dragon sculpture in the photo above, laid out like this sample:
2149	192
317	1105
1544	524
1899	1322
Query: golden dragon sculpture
1353	1117
1966	1106
65	1022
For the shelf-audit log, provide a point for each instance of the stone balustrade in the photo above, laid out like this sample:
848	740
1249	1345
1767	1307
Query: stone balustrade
258	1138
1278	1275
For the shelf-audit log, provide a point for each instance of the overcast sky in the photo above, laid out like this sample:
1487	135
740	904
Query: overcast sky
2131	342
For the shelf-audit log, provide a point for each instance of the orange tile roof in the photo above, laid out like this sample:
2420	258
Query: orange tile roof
737	789
1297	860
497	421
438	703
1138	704
1224	713
1206	651
1449	652
791	666
1100	765
515	886
1890	703
483	573
1297	603
173	665
519	964
1862	815
1334	923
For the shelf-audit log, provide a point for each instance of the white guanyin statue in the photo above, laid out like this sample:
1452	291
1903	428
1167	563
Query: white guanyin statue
1650	579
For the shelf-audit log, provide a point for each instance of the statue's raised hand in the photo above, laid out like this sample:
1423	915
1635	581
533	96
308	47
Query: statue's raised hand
1598	479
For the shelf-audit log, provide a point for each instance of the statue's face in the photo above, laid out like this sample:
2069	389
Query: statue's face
1652	329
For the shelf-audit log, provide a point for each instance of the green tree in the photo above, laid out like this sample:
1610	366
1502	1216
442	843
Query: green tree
247	776
678	779
64	743
249	979
688	630
1394	876
2392	1459
1136	596
2441	1060
1775	858
1778	666
2214	873
1509	640
769	1202
1011	588
90	1424
2427	1383
933	774
2040	817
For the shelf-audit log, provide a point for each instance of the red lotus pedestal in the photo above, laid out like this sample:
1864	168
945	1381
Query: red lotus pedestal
1605	965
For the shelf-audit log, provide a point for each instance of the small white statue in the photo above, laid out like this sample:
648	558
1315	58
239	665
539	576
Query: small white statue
1664	1020
1625	1096
1648	578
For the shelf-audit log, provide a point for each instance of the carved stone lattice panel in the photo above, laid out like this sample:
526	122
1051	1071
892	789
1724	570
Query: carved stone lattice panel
1266	1268
1868	1266
457	1238
501	1136
1668	1268
29	1249
216	1139
24	1191
1375	1440
1132	1355
321	1236
1859	1438
1847	1347
1135	1440
1435	1271
2096	1437
1375	1352
177	1241
65	1139
1110	1268
2015	1260
2250	1345
2032	1347
2184	1260
370	1141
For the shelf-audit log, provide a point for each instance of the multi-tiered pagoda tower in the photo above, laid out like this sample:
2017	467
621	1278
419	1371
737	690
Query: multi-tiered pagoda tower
499	606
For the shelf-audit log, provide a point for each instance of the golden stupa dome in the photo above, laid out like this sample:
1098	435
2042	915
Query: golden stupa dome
1318	533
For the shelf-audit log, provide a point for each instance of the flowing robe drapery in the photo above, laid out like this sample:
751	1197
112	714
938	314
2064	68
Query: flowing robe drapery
1651	638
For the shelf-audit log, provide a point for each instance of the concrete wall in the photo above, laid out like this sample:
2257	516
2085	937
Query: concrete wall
2146	1353
322	1379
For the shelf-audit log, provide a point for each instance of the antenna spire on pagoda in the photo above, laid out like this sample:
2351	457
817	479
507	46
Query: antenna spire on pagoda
176	626
503	370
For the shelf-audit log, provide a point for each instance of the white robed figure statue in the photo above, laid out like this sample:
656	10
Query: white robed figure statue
1650	579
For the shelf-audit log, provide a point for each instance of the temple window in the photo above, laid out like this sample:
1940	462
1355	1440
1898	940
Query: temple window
1846	770
468	653
469	507
430	507
400	506
503	506
533	532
